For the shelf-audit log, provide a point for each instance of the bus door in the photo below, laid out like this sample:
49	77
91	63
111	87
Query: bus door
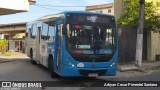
58	50
38	44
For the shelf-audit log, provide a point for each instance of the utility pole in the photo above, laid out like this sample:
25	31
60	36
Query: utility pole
139	44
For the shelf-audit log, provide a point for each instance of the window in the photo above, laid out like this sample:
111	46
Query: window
51	32
109	10
45	31
48	30
34	31
27	30
17	46
60	32
99	11
84	39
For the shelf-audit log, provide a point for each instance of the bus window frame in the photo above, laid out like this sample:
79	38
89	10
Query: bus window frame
34	36
42	31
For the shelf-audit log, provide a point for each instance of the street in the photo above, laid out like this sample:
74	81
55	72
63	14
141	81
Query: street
23	70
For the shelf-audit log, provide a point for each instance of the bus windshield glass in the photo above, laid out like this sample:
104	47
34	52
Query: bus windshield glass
91	34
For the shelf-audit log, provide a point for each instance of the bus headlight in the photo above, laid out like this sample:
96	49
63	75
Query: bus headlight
113	64
70	63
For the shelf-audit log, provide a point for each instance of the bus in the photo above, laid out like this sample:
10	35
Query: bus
74	44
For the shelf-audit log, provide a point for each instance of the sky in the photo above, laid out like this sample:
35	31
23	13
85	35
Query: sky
41	9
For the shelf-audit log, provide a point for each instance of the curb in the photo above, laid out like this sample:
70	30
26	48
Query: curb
127	68
134	68
10	59
5	60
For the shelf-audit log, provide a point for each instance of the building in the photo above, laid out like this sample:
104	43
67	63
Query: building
153	42
14	33
13	6
127	38
105	8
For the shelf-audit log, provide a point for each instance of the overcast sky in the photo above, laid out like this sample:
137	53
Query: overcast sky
39	10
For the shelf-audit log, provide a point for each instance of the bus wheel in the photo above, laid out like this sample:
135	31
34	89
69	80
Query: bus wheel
51	68
31	57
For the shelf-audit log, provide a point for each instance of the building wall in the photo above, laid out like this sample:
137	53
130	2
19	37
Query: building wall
154	45
153	40
105	8
12	30
118	9
2	36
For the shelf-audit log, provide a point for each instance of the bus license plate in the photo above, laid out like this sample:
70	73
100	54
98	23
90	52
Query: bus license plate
93	75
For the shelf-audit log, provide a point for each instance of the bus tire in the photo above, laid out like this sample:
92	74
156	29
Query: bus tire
31	57
51	67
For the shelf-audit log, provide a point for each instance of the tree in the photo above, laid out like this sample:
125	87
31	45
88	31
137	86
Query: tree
3	45
132	16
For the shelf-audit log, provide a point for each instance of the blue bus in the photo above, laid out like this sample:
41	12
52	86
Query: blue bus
74	43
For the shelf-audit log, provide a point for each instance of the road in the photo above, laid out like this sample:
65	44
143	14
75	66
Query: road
23	70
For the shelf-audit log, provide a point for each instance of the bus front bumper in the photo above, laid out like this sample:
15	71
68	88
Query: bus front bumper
68	71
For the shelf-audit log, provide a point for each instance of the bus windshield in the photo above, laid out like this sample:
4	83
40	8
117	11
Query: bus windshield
88	38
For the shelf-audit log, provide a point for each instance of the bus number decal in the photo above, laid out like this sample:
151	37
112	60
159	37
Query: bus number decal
92	18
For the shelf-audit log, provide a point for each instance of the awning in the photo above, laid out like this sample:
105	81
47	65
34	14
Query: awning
13	6
19	36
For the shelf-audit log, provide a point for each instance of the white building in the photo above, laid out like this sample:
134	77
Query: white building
14	6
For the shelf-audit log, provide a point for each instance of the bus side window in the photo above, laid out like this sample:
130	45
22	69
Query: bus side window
30	34
34	31
44	31
51	33
27	30
60	32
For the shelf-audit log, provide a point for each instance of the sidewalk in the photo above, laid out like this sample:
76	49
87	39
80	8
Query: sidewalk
145	66
15	55
130	70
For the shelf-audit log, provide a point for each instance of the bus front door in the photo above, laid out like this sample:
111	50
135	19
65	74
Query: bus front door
58	51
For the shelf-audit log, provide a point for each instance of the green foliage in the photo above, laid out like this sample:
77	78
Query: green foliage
152	19
3	45
131	16
131	13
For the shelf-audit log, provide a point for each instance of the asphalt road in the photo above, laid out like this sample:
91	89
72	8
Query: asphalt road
23	70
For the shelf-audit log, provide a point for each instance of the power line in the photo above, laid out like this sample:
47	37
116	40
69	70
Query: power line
48	8
59	6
